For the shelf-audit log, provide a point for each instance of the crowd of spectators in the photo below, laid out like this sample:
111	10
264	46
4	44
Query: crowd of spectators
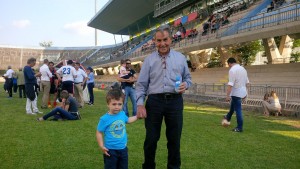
182	33
275	4
148	46
220	17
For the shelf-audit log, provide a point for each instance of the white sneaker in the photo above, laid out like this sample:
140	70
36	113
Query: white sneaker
31	113
39	112
40	119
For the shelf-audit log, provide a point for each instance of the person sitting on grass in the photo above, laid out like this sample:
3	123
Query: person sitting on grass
68	109
111	131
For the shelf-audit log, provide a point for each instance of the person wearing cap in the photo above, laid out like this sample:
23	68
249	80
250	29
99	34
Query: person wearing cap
78	84
157	81
68	74
90	84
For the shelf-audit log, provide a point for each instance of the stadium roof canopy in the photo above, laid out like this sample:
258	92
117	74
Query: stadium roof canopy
125	17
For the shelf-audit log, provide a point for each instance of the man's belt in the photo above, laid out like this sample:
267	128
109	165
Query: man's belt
166	95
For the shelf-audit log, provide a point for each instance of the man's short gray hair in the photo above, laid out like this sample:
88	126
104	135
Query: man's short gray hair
162	29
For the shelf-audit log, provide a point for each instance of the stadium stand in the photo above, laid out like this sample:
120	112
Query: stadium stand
229	22
221	37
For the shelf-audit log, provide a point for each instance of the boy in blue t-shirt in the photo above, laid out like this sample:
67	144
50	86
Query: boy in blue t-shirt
112	129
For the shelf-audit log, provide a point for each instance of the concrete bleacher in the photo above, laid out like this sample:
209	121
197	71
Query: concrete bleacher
275	74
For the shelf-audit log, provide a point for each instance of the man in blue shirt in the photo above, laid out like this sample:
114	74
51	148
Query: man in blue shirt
157	80
30	87
90	84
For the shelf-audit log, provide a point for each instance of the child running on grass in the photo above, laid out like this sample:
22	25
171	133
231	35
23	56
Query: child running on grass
111	132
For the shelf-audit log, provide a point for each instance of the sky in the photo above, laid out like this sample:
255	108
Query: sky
64	22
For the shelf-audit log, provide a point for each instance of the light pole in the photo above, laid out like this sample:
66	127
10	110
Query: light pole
95	28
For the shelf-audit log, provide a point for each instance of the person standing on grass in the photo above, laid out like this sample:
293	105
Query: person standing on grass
78	84
90	84
127	84
9	80
53	85
68	109
30	87
236	91
68	74
157	80
21	83
45	82
111	132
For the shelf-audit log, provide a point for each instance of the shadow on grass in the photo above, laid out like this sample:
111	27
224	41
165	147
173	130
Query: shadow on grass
268	125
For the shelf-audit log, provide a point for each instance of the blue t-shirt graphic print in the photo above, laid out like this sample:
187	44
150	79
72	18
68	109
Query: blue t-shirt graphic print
117	129
114	128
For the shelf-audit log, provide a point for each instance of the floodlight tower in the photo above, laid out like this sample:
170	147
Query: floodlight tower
95	28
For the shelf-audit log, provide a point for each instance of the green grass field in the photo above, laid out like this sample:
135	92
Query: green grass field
272	142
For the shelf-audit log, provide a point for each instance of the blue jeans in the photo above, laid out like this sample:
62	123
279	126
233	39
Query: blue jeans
236	105
169	109
130	92
118	159
91	92
58	110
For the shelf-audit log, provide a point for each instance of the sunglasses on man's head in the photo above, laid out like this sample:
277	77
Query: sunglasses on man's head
128	63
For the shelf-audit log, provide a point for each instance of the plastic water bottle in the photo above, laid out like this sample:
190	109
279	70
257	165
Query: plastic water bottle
177	83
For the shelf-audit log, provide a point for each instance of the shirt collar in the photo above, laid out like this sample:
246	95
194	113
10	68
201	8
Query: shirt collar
167	55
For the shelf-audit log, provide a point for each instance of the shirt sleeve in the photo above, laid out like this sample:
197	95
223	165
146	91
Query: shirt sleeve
83	73
101	125
74	72
49	73
231	78
143	82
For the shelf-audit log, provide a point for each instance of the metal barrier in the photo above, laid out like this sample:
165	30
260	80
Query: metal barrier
216	93
286	94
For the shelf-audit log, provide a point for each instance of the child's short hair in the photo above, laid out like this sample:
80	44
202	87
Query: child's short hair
64	94
115	94
122	61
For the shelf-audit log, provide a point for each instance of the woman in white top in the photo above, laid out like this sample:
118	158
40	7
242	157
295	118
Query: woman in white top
272	104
